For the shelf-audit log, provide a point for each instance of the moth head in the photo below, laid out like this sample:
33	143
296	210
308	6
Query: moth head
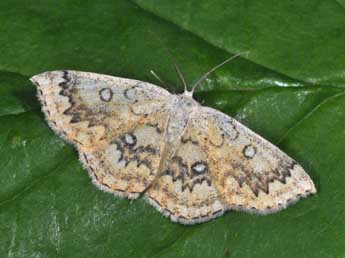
186	99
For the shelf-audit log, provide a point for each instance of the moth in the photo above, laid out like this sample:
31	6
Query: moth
189	161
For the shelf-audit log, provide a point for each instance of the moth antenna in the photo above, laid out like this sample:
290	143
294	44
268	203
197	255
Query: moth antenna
172	59
215	68
178	71
158	78
177	68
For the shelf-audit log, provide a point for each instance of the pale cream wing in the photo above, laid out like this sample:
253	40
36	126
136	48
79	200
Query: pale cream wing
249	172
129	163
184	189
90	110
116	124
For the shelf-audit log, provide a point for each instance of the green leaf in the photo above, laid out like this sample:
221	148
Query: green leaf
48	205
301	39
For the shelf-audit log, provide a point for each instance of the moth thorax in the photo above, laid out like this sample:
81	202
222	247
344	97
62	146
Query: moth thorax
179	117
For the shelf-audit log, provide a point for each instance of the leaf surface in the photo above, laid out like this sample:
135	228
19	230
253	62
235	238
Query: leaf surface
48	205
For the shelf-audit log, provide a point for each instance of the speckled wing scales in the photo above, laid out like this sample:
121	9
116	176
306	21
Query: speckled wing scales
90	109
249	173
191	162
184	189
108	119
128	164
217	165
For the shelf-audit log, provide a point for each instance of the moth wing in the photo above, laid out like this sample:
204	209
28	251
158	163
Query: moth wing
90	110
116	124
128	165
249	173
183	189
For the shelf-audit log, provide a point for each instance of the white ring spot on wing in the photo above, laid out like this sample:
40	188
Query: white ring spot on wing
106	94
130	139
249	151
199	167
